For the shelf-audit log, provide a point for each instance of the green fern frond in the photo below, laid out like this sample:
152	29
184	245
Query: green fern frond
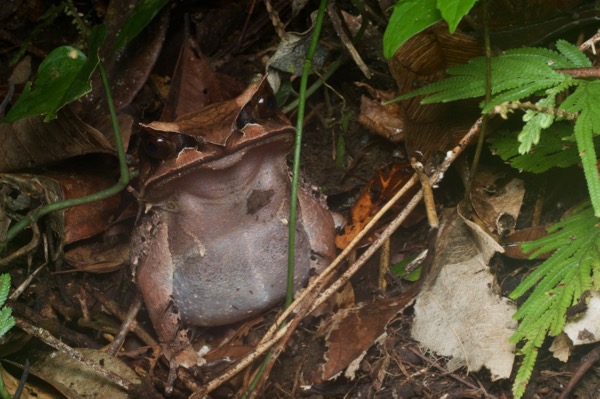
6	320
525	370
575	56
516	74
557	283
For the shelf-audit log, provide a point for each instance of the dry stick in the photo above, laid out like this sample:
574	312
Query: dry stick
432	217
336	21
588	361
21	288
113	308
318	280
591	42
275	332
128	324
46	337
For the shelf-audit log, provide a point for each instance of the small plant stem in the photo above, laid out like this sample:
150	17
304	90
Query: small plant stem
289	297
297	147
315	86
488	96
100	195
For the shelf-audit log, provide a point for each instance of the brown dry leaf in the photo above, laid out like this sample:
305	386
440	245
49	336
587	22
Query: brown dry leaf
98	257
433	128
74	223
195	84
30	142
561	347
460	313
128	69
374	195
361	326
512	242
383	120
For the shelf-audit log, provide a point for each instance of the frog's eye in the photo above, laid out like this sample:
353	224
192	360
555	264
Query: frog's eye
161	147
257	111
265	107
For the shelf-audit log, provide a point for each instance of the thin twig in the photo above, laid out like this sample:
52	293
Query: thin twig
127	325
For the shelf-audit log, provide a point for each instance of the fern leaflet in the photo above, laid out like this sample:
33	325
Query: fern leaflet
585	101
6	320
559	283
557	149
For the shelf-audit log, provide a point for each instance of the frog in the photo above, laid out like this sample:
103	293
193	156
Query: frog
210	247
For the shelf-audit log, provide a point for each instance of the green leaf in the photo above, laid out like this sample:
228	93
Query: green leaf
62	77
555	149
408	18
399	269
138	20
454	10
585	101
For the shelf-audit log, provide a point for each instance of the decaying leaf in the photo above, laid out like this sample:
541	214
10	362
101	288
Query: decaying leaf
378	190
31	390
561	347
76	380
460	314
385	121
363	326
195	84
98	257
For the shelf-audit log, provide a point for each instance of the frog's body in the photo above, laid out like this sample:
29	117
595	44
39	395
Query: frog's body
212	249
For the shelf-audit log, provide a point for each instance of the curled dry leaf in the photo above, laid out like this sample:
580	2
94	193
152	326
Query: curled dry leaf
433	128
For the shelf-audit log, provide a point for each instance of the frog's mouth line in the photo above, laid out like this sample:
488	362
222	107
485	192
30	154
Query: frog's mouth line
216	158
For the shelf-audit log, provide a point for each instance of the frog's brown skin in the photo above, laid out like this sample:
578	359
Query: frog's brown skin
211	248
